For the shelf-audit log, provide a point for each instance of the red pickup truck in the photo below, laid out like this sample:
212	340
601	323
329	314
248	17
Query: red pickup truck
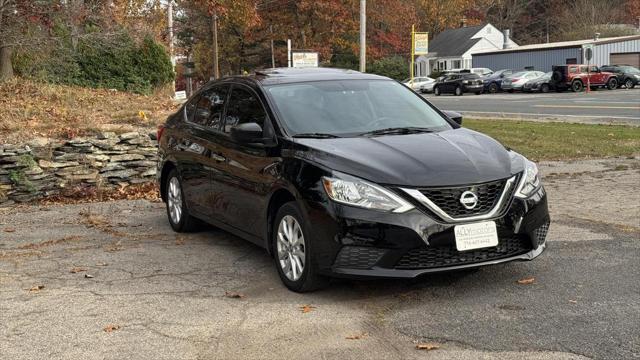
576	77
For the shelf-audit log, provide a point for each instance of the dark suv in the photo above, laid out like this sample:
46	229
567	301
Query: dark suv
339	173
627	75
458	84
577	77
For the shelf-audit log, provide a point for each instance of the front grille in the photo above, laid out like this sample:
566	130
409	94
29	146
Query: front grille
358	257
427	257
448	199
541	233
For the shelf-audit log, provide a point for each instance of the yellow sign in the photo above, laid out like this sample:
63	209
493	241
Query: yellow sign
421	43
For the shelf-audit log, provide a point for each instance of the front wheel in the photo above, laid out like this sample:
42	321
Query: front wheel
544	88
177	212
458	91
612	84
293	251
493	88
629	84
577	86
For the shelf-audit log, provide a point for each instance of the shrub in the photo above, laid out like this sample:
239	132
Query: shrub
395	67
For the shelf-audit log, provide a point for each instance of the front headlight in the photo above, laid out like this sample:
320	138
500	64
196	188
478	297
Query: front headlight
530	182
352	191
637	76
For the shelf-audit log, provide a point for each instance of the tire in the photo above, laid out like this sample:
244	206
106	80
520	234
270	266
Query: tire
629	84
612	84
177	211
478	92
510	91
458	91
290	252
493	88
577	86
436	91
544	88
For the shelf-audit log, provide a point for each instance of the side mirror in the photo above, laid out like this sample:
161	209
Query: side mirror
247	133
455	116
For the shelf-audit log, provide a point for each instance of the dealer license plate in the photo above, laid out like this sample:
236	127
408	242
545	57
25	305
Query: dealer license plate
476	235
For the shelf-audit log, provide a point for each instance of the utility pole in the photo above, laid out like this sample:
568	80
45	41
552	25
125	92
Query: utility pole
273	58
214	29
288	52
171	54
363	35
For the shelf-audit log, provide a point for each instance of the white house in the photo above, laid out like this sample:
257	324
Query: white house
452	49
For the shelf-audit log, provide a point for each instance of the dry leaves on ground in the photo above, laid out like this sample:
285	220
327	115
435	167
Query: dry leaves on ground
9	230
89	194
233	295
111	327
527	280
573	301
427	346
36	288
356	336
76	270
306	308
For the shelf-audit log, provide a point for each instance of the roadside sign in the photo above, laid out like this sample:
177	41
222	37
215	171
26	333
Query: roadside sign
421	43
304	59
587	51
181	95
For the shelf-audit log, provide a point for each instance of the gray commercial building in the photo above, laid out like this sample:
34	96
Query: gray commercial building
541	57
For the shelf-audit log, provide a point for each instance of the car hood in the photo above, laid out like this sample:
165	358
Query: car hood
452	157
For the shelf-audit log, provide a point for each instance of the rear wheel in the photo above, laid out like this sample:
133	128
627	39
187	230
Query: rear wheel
436	91
612	84
493	88
177	212
458	91
629	84
544	88
293	251
576	86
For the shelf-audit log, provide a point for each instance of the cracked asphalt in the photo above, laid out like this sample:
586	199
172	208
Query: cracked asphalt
119	284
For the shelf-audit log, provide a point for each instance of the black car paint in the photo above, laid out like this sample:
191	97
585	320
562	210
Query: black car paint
236	186
449	83
622	74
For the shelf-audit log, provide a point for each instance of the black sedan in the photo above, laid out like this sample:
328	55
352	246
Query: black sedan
458	84
339	173
541	84
626	75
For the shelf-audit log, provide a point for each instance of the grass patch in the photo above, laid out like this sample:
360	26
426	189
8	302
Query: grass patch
561	141
31	109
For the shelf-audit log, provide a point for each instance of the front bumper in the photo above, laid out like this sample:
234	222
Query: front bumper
473	88
363	243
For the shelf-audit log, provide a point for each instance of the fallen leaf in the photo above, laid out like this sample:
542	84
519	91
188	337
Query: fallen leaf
573	301
36	288
527	281
88	276
9	230
111	327
427	347
356	337
101	264
180	241
76	270
233	295
306	308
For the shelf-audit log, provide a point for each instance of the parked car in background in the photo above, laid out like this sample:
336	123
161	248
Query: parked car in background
576	77
493	83
482	71
418	82
516	81
427	86
458	84
627	75
339	173
540	84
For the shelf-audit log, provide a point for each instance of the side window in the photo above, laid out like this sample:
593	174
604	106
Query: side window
243	108
190	107
573	69
594	69
583	69
209	107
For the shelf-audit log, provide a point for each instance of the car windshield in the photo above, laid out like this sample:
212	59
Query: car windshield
630	69
352	107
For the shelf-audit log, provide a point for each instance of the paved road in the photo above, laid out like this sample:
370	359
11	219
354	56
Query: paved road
163	294
598	106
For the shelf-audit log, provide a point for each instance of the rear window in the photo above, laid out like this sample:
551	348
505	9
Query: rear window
472	76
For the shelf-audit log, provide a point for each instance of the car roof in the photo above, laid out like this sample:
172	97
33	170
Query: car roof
294	75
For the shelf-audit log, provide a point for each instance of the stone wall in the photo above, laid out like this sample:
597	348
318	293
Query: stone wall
48	167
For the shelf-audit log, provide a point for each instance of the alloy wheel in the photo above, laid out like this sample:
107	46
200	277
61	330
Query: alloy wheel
291	248
628	83
174	200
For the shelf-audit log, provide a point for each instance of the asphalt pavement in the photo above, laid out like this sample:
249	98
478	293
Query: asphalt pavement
112	281
600	106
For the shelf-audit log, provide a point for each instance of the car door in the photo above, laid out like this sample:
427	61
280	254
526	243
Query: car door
196	148
246	177
597	77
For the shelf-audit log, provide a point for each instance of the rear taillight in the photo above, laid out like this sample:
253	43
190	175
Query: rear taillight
160	131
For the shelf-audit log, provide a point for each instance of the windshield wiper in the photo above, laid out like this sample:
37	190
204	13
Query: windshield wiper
398	131
316	136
